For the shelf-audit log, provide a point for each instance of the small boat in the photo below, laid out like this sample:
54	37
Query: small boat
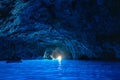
14	59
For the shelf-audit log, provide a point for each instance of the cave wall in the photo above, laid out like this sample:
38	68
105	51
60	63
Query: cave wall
86	29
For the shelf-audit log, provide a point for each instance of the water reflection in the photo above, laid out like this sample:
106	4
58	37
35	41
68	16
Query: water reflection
60	70
59	65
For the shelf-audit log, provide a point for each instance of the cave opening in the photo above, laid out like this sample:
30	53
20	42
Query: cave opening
57	53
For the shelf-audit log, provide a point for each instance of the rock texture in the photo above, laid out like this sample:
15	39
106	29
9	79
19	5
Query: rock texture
81	29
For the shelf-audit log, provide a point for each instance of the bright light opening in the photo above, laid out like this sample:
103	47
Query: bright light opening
59	58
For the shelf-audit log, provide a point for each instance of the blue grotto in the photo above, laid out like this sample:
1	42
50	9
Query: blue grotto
59	39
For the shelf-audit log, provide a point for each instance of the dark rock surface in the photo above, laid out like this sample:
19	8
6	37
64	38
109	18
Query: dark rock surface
79	29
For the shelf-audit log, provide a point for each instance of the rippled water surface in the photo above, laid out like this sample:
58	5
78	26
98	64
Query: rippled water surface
60	70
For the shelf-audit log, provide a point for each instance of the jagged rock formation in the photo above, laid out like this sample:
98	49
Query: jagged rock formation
81	29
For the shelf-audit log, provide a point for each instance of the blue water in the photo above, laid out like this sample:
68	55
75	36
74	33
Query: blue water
60	70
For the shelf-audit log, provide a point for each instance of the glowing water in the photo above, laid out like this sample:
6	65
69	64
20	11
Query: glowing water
63	70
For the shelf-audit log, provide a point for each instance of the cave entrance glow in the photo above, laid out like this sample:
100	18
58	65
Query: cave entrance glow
59	58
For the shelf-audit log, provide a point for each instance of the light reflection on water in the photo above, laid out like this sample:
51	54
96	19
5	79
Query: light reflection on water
60	70
59	66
